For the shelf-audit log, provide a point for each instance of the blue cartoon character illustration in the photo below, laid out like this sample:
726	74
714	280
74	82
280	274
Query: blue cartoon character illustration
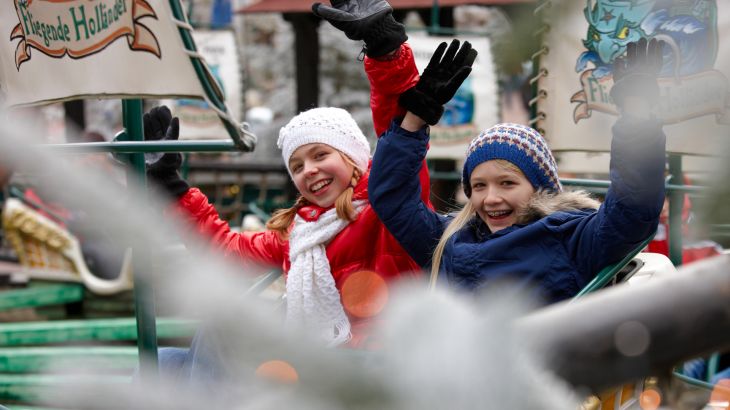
688	29
460	109
686	26
611	26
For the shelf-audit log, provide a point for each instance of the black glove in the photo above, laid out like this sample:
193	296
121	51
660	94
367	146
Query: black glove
368	20
439	81
163	169
635	75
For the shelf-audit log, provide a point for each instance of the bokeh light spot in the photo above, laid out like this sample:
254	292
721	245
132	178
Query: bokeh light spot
277	371
632	338
364	294
650	399
720	396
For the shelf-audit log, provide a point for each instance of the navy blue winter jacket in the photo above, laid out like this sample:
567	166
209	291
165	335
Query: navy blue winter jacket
555	254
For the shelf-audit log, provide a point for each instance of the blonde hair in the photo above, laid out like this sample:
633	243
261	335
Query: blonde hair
461	219
504	164
282	219
456	224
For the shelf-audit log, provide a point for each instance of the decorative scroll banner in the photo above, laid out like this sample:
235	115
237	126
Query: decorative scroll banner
682	98
587	36
56	50
475	105
77	29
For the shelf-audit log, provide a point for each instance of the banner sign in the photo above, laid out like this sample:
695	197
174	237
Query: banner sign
474	108
197	119
54	50
587	36
77	34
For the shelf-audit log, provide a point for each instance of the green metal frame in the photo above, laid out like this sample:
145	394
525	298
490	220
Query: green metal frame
36	388
144	306
131	140
132	117
264	282
240	135
697	383
37	359
713	362
675	189
609	272
64	331
41	294
676	201
123	146
256	210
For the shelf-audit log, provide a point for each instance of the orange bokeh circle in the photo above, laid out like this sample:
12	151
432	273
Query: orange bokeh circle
277	371
721	392
650	399
364	294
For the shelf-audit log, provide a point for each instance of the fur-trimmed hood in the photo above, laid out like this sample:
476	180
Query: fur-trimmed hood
544	203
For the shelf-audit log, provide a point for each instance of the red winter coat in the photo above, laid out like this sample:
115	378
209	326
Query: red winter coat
365	245
693	250
388	80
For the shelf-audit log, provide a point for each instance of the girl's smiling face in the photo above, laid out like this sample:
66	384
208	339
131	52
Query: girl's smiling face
499	192
320	173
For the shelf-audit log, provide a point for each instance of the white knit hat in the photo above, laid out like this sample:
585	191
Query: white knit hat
328	125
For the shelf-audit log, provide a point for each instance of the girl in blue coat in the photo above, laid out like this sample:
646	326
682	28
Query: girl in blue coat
519	225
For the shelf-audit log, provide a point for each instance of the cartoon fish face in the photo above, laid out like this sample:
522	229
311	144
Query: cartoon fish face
613	24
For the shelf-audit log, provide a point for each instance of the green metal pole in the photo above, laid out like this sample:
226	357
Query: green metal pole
144	303
676	202
211	91
123	146
185	169
435	20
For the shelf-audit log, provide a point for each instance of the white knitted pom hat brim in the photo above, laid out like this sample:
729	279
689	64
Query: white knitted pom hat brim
328	125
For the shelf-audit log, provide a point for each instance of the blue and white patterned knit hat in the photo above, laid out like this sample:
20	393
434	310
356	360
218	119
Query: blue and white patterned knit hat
522	146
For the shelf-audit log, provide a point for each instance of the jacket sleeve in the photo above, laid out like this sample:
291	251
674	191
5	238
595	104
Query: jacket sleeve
258	247
630	213
395	192
388	80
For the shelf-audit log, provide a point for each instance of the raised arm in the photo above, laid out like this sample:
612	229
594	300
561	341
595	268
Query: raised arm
390	77
395	191
192	205
263	248
389	63
394	187
630	213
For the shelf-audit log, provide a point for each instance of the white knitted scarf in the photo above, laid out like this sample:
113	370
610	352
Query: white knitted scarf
311	295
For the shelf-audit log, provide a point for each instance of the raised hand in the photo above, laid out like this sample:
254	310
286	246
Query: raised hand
439	81
159	125
368	20
635	75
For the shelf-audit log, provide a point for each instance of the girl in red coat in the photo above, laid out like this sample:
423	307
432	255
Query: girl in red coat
330	242
338	256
